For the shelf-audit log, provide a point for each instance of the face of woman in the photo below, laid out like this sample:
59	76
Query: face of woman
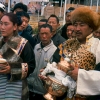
6	27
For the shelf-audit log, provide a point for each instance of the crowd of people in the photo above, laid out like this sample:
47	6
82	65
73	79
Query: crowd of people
27	54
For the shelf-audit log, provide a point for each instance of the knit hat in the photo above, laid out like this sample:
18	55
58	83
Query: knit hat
84	14
2	7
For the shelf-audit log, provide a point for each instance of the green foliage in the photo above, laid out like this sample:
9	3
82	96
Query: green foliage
35	30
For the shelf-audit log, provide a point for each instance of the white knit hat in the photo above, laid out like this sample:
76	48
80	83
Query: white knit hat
2	7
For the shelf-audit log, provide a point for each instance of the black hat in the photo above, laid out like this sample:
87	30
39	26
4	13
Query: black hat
21	6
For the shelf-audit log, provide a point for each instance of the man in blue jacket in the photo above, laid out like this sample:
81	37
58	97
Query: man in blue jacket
25	20
22	7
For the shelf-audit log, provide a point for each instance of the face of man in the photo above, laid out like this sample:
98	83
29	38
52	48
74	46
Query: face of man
70	30
53	22
68	18
24	24
97	33
45	36
82	30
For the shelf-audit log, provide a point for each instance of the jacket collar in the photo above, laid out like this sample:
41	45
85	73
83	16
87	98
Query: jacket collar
46	48
89	37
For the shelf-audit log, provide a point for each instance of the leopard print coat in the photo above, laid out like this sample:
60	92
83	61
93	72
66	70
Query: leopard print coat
79	54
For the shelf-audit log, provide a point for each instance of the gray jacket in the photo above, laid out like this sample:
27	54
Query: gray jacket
42	55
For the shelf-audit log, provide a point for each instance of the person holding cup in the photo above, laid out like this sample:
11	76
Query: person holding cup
18	58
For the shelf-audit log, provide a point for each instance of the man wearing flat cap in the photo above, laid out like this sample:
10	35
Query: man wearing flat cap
84	49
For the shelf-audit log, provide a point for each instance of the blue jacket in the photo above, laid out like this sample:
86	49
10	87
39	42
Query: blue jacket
28	30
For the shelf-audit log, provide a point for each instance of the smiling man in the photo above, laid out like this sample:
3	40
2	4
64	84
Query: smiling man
24	17
84	48
88	82
22	7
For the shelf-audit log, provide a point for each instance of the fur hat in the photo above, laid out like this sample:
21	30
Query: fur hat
84	14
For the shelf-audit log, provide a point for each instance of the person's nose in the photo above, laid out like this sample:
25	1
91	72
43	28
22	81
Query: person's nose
77	28
2	26
50	23
24	23
44	36
70	32
69	18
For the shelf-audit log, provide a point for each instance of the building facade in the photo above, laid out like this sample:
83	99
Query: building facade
85	2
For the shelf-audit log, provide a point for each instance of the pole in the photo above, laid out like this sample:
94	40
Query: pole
79	2
91	4
60	8
64	12
42	8
97	5
38	14
9	5
74	1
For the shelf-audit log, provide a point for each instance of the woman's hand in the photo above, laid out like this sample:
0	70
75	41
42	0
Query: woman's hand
5	69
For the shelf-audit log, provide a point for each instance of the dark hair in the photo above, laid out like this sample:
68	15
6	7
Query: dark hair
46	25
22	13
1	10
25	8
54	17
69	24
70	9
21	6
43	20
13	18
